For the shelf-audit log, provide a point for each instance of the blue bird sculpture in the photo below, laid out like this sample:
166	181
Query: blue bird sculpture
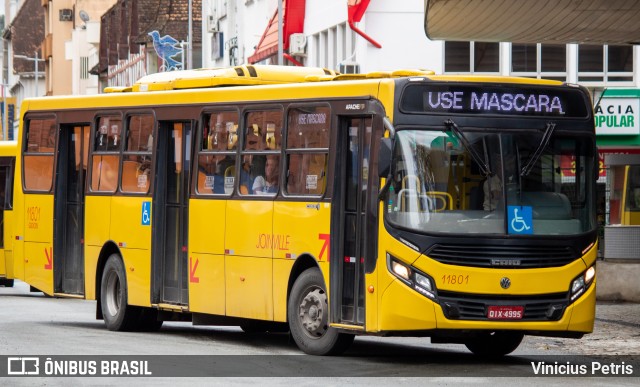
167	47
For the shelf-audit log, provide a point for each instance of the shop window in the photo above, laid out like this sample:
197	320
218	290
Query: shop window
548	61
605	64
474	57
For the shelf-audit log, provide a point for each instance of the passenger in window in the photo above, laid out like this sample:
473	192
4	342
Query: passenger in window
246	181
113	142
268	184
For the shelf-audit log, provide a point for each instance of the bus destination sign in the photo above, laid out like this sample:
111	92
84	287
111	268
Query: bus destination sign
512	101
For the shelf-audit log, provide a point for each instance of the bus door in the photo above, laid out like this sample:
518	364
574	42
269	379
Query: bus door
7	164
170	213
349	209
68	220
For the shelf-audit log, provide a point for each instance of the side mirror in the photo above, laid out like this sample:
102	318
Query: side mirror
384	157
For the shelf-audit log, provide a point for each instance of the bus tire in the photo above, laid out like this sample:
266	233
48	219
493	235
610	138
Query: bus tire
308	315
495	344
118	316
7	283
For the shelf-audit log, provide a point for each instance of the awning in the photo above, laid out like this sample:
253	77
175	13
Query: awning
292	23
534	21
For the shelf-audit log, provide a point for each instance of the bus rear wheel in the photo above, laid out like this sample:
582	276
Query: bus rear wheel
495	344
118	316
308	315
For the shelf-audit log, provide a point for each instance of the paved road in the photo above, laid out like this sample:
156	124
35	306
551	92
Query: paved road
32	324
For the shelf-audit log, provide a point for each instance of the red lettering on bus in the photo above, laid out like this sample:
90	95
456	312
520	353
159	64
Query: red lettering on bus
276	242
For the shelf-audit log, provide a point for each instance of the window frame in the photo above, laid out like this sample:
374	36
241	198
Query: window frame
205	115
539	73
605	76
94	152
126	123
288	151
26	153
242	152
471	58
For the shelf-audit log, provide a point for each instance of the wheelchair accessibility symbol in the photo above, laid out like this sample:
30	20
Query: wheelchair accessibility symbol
146	213
520	219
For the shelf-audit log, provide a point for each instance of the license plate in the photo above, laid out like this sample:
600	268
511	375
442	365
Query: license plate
505	312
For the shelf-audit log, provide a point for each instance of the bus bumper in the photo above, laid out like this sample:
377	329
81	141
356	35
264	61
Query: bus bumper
402	309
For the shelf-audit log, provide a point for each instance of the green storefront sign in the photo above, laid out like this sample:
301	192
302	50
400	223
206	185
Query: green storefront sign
617	117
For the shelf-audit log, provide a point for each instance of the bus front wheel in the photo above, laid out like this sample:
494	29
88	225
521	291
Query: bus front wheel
118	316
495	344
308	315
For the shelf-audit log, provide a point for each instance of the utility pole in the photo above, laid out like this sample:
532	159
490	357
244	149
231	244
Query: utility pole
190	45
280	34
35	60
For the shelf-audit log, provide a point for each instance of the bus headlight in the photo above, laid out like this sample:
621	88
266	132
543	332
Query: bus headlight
582	283
420	282
400	270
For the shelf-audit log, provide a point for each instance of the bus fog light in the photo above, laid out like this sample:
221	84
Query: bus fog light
577	285
423	282
424	286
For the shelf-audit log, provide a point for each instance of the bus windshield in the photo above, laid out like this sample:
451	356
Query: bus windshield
463	182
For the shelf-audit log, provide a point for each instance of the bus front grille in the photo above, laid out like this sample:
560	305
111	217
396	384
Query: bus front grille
461	306
513	257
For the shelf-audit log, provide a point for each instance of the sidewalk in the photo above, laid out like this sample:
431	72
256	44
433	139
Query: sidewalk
617	281
616	332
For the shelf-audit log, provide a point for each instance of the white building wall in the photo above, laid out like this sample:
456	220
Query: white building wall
396	26
241	23
399	27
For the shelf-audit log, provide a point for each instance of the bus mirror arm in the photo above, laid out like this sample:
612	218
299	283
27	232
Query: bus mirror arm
384	156
384	164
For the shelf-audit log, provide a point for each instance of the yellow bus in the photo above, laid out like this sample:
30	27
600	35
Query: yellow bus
279	198
8	152
624	178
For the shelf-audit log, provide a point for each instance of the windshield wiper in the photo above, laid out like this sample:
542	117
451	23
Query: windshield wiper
541	147
484	168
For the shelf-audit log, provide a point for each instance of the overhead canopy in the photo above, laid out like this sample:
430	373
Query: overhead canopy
534	21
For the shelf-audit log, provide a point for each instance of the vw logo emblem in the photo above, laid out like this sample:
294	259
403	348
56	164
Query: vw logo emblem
505	283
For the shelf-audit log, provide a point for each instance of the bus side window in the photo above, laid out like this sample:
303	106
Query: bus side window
216	156
308	135
104	176
136	167
105	165
38	156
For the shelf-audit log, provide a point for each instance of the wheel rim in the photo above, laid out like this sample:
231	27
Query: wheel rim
312	312
113	293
